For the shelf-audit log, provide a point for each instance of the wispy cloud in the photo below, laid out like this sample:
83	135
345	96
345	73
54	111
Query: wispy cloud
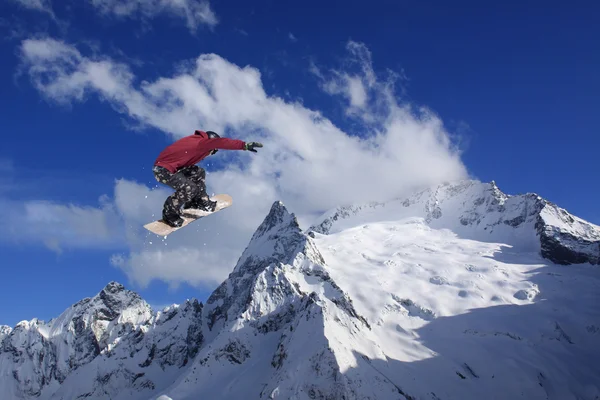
19	29
368	97
194	12
28	219
59	225
241	31
292	37
44	6
175	266
307	162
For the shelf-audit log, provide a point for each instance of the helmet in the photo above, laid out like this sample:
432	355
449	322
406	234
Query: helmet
212	135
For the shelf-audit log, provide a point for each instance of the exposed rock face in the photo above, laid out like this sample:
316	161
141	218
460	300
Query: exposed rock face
566	239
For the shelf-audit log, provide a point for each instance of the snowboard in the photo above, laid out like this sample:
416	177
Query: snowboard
189	215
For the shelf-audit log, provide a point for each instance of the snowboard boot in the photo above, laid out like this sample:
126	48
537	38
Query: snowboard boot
170	216
204	204
172	220
209	205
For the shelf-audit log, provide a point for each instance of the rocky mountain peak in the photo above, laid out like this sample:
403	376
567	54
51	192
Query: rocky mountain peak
4	331
278	220
113	288
277	238
277	241
114	299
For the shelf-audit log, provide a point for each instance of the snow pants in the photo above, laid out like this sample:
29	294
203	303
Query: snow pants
189	184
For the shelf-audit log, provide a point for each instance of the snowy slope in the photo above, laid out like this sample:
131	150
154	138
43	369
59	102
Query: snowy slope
463	319
450	294
480	211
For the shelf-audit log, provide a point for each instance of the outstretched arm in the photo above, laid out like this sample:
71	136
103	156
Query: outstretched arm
226	144
233	144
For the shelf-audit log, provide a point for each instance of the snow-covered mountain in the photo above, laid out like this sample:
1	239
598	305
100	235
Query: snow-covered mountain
109	346
480	211
458	292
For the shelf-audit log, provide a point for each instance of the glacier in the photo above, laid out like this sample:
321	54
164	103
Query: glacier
457	292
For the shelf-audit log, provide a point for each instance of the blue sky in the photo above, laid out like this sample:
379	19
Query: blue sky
515	85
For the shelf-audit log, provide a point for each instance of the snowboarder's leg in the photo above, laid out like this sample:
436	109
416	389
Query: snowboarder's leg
185	191
202	201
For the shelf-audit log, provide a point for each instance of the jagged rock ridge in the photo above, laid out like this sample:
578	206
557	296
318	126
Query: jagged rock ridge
106	346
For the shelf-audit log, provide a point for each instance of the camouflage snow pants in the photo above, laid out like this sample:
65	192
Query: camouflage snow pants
189	184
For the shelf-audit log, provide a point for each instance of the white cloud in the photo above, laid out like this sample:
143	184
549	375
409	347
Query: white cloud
177	266
60	71
194	12
111	224
307	162
351	87
369	98
57	225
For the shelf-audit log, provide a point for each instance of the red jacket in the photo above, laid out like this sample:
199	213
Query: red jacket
192	149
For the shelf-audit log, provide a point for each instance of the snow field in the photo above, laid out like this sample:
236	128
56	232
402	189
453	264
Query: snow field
462	319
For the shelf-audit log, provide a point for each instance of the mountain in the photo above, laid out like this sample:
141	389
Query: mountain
458	292
481	211
109	346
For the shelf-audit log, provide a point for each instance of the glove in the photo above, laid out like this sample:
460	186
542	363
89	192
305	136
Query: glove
251	145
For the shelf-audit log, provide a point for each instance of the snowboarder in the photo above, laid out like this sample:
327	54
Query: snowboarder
176	167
